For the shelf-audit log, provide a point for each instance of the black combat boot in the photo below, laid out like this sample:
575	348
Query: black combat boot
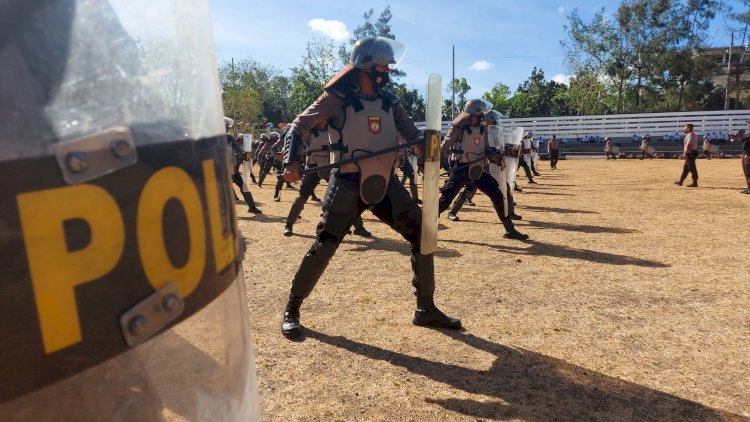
291	327
361	231
515	216
288	231
511	232
452	217
428	314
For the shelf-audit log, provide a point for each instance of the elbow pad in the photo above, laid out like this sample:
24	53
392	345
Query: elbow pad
292	147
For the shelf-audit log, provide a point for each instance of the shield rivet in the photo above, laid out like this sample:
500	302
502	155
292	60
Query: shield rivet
171	302
137	325
120	148
77	161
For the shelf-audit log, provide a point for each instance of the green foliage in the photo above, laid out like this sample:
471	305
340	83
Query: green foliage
649	53
267	83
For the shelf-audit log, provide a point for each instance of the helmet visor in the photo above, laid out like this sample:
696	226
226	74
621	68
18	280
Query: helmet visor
478	106
377	51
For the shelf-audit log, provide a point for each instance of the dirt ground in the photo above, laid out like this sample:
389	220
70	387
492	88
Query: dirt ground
630	301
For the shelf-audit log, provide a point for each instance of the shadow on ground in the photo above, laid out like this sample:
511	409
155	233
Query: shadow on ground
522	384
559	251
578	228
557	210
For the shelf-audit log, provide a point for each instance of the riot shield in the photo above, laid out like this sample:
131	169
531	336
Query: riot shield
247	165
431	174
513	138
128	297
496	139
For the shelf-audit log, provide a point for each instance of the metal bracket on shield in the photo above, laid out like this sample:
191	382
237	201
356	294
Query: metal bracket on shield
149	316
88	157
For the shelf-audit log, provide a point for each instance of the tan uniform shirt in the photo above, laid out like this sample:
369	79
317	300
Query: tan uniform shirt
691	143
330	107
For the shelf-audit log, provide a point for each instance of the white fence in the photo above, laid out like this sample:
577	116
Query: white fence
627	125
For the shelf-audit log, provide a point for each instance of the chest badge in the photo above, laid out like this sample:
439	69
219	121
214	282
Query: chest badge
373	124
477	140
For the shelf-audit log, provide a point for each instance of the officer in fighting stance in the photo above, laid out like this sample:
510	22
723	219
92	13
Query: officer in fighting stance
490	118
364	117
467	141
238	154
317	154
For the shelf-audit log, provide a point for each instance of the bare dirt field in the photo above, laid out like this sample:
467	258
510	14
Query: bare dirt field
630	301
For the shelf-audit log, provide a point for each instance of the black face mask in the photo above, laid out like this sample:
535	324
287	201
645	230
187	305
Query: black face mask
379	79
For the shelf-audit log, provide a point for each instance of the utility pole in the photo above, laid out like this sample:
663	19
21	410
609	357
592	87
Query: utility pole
453	86
729	69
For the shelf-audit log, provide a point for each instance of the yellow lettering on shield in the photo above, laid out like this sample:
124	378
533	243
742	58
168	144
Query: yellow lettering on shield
168	183
54	270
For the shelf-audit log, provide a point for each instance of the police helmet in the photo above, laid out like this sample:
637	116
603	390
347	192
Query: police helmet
274	136
477	107
263	137
493	116
370	51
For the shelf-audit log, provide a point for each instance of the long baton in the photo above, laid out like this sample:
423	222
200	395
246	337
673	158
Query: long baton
394	148
476	160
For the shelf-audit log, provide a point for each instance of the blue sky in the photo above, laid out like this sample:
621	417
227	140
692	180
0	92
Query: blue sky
495	40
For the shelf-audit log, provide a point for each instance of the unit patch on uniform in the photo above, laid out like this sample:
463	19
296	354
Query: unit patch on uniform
477	140
373	124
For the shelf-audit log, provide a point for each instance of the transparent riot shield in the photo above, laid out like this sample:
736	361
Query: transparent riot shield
513	138
247	165
496	140
120	247
431	174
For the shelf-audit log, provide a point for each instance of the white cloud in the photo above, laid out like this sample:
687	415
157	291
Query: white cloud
333	29
561	79
561	10
482	65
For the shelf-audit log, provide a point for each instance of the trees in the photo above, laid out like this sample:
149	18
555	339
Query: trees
267	84
319	65
461	87
649	51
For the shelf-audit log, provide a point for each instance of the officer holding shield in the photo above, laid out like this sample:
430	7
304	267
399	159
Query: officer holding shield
362	118
491	118
467	141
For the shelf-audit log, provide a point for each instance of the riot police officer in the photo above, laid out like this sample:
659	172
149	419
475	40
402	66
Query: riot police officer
490	118
467	141
265	157
363	117
238	155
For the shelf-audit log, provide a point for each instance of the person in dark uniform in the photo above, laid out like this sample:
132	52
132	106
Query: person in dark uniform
554	152
277	147
238	153
361	116
317	154
525	151
690	154
265	158
467	141
409	172
745	156
490	118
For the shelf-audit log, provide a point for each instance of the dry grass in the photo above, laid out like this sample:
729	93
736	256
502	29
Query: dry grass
631	301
